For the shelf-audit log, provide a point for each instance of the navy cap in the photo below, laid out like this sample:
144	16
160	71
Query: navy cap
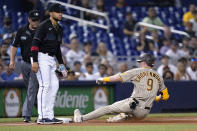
55	8
34	15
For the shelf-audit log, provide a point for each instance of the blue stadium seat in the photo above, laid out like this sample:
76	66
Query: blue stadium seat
116	41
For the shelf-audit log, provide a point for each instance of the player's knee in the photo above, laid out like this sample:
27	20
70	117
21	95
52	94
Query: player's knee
140	114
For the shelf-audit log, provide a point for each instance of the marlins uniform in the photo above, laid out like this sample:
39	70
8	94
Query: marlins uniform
45	50
147	83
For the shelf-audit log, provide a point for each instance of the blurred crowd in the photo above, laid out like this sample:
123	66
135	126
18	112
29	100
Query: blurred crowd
178	56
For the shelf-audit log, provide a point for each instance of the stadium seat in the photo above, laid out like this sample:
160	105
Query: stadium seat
116	41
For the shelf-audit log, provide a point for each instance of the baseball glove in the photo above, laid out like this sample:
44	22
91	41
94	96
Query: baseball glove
60	74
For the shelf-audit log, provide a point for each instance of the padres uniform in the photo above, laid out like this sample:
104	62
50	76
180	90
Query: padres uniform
147	83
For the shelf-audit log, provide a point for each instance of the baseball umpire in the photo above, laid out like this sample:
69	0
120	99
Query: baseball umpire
23	40
45	48
147	83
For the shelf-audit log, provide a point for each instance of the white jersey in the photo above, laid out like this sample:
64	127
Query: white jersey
73	56
88	76
160	69
192	73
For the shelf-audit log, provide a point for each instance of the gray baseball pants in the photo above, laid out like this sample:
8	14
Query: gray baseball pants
118	107
31	84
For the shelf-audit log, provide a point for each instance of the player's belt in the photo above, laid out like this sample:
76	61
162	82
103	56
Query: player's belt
147	108
137	102
50	54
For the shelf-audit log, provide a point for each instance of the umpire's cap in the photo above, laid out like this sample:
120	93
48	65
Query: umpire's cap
148	58
34	15
55	8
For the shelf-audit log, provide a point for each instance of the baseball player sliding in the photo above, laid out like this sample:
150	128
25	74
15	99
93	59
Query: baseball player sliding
147	84
45	47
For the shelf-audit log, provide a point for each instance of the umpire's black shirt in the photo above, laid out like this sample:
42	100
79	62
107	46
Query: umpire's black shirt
23	40
47	39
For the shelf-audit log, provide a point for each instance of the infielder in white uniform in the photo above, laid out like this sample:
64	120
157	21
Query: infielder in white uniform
147	84
45	47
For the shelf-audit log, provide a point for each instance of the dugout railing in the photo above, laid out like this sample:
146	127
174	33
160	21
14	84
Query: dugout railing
143	24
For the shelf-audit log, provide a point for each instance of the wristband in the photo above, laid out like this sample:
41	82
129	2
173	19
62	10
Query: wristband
61	67
106	79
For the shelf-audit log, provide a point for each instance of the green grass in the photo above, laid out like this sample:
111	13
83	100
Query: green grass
103	128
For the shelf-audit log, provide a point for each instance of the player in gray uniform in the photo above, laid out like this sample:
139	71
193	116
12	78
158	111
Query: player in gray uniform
147	84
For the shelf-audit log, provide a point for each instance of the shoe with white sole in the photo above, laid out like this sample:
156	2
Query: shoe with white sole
57	121
118	118
45	121
77	116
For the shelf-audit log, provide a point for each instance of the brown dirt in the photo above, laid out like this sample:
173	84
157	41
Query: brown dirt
146	121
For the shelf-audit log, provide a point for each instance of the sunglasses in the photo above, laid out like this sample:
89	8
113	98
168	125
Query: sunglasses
36	20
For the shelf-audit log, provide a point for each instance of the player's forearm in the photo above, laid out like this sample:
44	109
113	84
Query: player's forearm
59	56
127	32
35	56
13	53
35	49
114	78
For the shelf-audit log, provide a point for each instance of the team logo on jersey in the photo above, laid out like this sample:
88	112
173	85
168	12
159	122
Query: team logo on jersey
23	38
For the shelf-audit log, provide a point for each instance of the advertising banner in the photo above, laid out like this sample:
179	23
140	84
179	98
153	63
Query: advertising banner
70	96
12	102
84	98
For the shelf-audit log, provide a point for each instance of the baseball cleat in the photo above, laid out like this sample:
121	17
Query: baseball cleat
77	116
45	121
38	121
117	118
27	119
57	121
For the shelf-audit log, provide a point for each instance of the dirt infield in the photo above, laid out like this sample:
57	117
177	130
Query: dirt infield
146	121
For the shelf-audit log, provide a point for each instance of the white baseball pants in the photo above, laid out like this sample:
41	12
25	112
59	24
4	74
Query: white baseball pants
48	85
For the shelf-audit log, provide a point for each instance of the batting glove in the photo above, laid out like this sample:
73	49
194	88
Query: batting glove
63	70
158	98
100	81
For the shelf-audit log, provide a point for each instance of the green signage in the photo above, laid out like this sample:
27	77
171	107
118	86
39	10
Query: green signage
86	98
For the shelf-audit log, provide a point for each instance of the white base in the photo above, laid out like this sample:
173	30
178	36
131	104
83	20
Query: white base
65	120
